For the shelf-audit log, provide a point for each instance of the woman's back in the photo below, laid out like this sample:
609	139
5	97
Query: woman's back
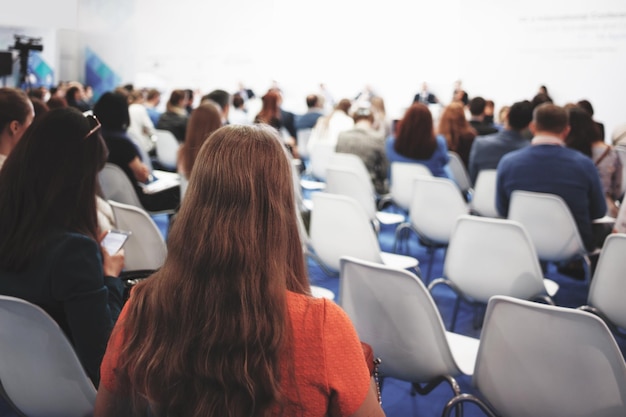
437	163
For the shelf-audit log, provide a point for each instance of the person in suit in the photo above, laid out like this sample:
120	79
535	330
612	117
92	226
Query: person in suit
425	96
477	119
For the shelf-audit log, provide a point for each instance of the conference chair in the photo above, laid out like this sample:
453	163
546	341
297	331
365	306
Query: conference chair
166	147
347	181
483	201
145	248
302	141
401	183
608	286
319	158
436	204
460	175
393	312
40	373
488	257
340	227
551	227
116	186
541	360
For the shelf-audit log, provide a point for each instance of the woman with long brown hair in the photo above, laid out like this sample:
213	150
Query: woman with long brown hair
415	141
227	326
204	120
272	115
456	129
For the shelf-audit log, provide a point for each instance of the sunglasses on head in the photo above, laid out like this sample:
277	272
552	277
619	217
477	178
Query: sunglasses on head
94	124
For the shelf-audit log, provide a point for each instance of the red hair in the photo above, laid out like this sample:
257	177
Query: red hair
415	137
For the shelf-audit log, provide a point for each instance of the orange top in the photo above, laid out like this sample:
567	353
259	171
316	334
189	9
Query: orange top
331	375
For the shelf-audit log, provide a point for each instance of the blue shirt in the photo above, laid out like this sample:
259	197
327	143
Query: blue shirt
487	150
556	170
437	163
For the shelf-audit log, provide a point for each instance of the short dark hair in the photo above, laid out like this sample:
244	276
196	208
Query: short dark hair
520	115
312	100
220	97
477	106
112	111
540	99
70	94
549	117
586	106
237	101
14	105
152	94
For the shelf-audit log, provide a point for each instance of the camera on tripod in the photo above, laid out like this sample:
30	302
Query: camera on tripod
24	44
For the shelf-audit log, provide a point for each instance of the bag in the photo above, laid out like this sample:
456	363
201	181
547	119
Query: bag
372	365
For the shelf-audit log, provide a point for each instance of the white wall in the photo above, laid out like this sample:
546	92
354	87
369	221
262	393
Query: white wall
501	49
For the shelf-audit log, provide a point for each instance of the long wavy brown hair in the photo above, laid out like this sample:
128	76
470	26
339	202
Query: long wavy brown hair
205	335
204	120
453	125
270	111
415	137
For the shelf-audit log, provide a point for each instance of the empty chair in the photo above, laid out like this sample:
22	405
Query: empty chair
541	360
145	248
608	286
551	226
115	185
459	174
483	201
393	312
319	159
340	227
488	257
40	372
166	149
347	181
302	141
350	161
435	206
401	182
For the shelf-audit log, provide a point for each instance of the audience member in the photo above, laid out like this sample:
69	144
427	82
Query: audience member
272	115
369	145
237	115
153	98
456	129
39	106
490	109
222	99
477	119
487	151
586	105
112	110
547	166
204	120
229	328
75	97
382	124
539	99
328	127
49	250
141	129
459	94
175	117
543	91
16	114
584	136
425	96
415	141
56	102
315	110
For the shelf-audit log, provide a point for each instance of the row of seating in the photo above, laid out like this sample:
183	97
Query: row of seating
532	359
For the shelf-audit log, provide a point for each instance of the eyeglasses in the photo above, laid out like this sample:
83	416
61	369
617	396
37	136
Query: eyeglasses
94	124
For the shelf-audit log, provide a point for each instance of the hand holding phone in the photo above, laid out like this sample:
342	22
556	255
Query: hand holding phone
114	240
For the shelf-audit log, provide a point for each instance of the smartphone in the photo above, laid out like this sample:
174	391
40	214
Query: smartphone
114	240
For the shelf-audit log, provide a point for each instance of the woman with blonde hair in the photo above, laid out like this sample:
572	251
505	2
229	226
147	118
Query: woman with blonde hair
456	129
227	326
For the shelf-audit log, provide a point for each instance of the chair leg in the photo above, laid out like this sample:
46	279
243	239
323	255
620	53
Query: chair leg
455	312
431	251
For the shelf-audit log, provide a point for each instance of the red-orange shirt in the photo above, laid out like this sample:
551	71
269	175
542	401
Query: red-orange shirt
330	371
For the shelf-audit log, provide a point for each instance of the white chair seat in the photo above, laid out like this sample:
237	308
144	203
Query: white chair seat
464	350
389	218
399	261
312	185
551	286
319	292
